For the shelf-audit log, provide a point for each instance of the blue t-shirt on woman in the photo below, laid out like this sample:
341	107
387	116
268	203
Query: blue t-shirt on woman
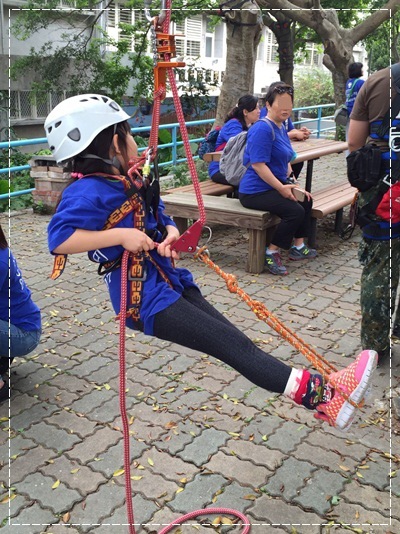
15	296
228	130
269	144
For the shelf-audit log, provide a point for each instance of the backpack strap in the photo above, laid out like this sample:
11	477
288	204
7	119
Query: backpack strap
352	88
394	107
265	119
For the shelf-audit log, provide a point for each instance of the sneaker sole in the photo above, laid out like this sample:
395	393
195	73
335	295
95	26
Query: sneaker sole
303	258
346	414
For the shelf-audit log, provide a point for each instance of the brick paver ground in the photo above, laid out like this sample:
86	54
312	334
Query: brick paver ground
201	435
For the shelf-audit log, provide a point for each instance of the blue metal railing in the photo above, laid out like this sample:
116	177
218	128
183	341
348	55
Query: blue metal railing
317	125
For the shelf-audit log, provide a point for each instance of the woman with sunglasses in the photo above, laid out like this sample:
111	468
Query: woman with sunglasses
266	184
295	134
239	119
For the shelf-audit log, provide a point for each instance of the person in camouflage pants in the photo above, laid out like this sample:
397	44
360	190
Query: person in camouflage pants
379	282
380	257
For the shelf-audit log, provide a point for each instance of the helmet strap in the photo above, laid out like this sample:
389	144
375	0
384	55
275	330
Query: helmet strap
114	162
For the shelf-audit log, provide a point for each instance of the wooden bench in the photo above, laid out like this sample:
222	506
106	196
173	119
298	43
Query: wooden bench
208	187
259	224
332	199
228	211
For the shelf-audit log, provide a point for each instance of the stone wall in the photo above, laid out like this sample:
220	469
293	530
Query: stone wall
50	182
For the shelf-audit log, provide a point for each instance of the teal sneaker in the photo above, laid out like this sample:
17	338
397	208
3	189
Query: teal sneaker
304	253
273	263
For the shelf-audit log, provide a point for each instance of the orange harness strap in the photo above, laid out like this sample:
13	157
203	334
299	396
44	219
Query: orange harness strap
137	266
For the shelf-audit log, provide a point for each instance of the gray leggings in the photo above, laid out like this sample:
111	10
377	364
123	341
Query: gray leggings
192	322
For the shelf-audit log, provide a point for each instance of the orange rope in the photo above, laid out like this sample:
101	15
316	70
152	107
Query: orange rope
323	366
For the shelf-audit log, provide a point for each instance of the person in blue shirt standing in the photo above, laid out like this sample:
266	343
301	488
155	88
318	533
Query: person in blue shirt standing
20	320
239	119
353	86
90	135
266	184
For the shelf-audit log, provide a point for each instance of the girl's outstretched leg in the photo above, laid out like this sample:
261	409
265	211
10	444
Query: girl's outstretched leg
192	322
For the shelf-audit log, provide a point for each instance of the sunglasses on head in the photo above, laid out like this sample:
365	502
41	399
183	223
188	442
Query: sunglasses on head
281	89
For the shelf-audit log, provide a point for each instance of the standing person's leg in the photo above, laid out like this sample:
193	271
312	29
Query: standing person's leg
188	323
377	295
395	244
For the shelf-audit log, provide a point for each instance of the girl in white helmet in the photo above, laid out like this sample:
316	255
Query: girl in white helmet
90	135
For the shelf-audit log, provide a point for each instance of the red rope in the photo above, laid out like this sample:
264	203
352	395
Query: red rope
125	425
210	511
122	389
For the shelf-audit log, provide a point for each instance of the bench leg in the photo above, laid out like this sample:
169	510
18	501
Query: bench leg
256	254
338	221
181	224
313	233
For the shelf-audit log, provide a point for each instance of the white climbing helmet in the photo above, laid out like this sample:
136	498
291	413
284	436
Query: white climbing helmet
75	122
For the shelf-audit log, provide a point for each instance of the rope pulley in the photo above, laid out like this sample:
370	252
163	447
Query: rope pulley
163	49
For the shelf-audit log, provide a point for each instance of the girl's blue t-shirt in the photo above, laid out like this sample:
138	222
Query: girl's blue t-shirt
228	130
86	205
262	147
24	313
351	95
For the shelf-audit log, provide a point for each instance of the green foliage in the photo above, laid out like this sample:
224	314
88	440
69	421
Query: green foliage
348	17
382	44
19	180
80	64
195	91
182	175
313	87
77	62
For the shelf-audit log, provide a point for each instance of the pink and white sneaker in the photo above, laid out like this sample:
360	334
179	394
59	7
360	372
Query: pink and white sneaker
354	382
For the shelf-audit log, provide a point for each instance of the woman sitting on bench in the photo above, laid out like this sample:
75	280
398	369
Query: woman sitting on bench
266	185
239	119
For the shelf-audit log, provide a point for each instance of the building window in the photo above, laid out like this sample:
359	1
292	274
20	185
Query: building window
188	37
271	48
26	105
209	43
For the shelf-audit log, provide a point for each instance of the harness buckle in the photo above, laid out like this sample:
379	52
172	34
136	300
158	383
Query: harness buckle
394	139
137	272
387	180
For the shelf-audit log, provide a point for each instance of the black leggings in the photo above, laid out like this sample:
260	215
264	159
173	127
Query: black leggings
295	216
219	178
192	322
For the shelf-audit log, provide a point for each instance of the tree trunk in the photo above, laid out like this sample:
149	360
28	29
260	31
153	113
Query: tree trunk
282	28
242	37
